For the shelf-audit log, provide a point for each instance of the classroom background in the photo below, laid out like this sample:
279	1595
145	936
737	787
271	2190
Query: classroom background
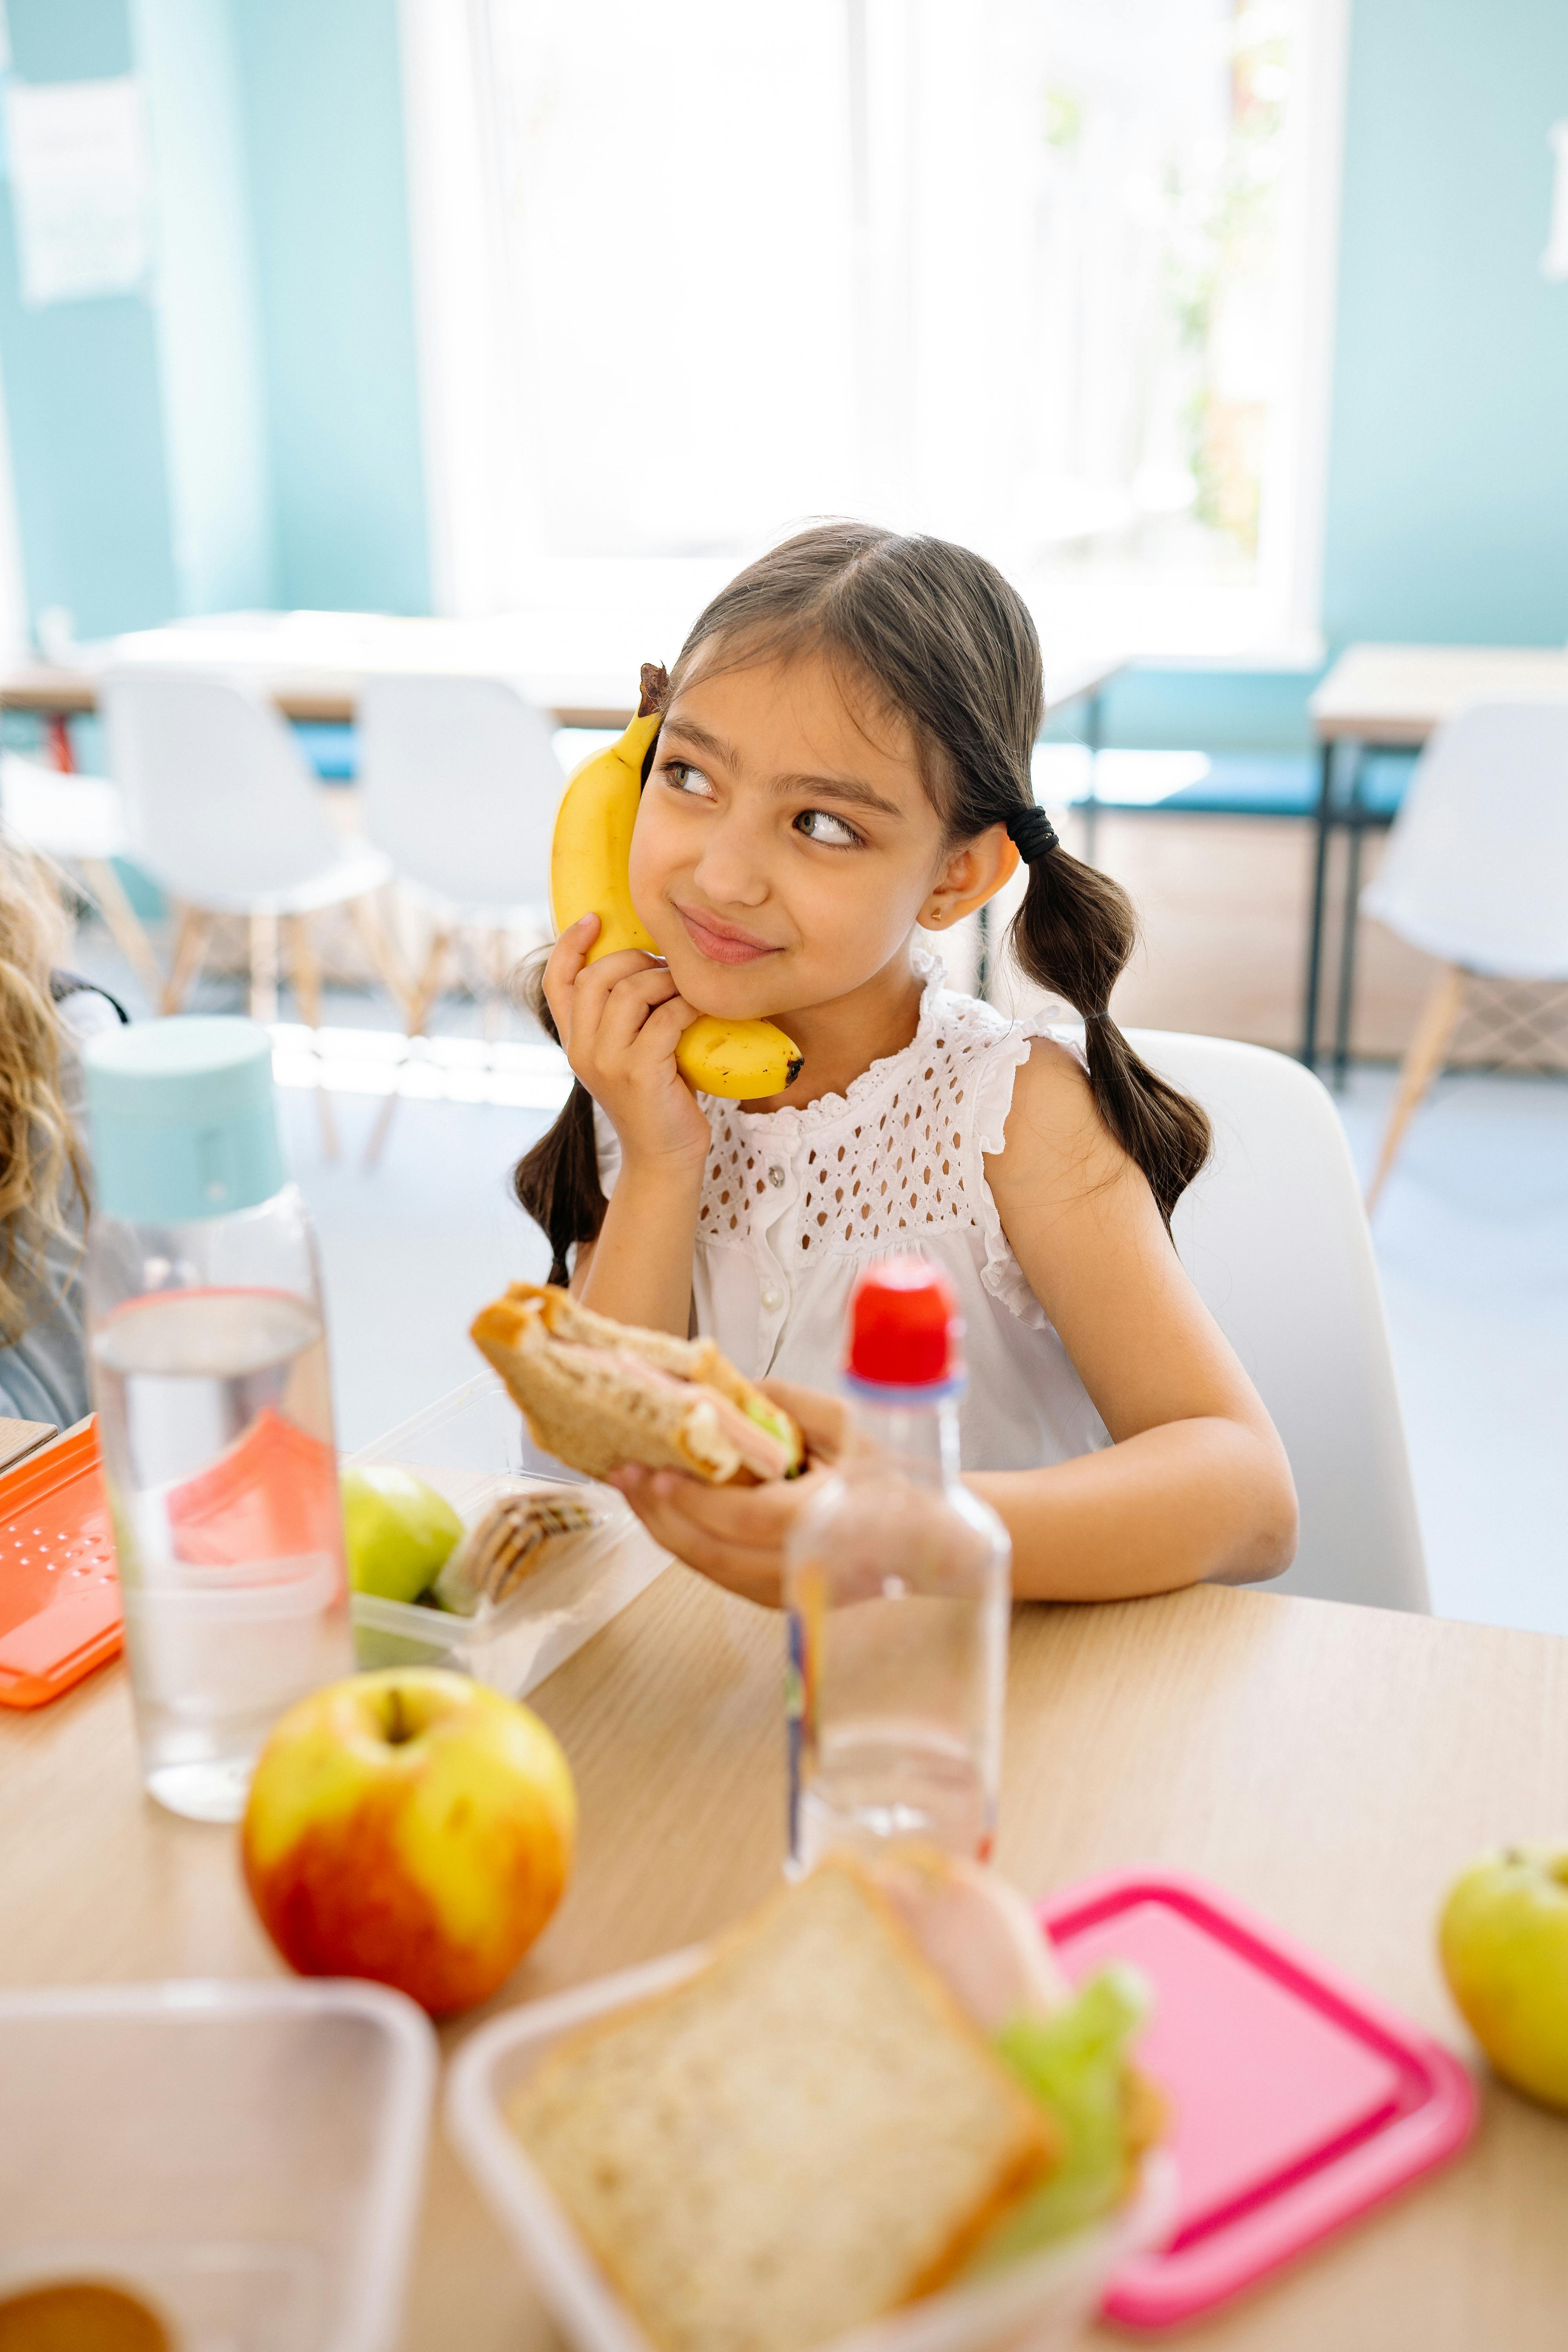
351	339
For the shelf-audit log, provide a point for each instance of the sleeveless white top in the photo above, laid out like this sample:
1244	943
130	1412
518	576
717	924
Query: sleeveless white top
795	1203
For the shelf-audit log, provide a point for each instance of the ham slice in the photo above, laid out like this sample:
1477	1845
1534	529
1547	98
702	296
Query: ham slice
763	1453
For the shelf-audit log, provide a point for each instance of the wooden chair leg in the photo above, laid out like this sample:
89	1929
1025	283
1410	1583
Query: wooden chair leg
1424	1058
305	971
264	967
123	924
383	959
492	949
190	949
422	999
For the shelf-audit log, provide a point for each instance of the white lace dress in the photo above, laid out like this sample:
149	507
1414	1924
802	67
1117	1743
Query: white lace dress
795	1202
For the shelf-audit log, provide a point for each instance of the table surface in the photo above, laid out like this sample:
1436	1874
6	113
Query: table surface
1398	695
1333	1767
313	664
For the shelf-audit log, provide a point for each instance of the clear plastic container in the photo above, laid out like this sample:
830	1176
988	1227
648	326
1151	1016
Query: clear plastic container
1041	2303
473	1445
245	2157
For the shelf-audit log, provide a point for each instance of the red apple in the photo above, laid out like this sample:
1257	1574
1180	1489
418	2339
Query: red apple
412	1826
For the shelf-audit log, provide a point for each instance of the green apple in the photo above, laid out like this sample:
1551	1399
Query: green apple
398	1532
1503	1940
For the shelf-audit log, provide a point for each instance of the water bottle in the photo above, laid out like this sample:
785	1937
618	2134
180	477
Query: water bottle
207	1358
896	1585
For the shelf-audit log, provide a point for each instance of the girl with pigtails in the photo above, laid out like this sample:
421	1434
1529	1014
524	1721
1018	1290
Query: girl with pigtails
843	770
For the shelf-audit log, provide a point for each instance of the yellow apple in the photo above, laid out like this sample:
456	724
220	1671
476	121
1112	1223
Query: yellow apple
412	1826
1503	1939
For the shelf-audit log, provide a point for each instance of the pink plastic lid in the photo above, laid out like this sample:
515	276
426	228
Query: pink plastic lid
1300	2101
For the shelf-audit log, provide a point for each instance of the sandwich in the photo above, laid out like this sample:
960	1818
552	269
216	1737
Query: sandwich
818	2126
596	1393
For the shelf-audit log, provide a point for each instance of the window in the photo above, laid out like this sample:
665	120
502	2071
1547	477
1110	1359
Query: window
1046	276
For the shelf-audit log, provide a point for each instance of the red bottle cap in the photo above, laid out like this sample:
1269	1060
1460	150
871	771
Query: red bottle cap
905	1328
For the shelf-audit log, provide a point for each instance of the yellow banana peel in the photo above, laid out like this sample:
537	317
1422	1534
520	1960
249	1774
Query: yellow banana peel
590	856
743	1060
590	863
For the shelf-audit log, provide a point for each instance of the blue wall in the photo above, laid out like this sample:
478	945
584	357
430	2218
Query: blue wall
246	432
323	133
205	303
83	392
1448	508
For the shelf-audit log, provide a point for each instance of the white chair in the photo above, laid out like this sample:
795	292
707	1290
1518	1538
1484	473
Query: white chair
1476	874
1274	1236
223	814
460	783
77	820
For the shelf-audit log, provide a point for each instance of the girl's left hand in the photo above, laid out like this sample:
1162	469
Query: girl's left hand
736	1535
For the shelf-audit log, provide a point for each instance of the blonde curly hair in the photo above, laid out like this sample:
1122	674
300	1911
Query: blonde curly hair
41	1167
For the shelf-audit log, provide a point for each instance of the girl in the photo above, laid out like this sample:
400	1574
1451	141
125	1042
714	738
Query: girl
44	1015
843	761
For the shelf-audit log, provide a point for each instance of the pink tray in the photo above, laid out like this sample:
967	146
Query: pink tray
1299	2100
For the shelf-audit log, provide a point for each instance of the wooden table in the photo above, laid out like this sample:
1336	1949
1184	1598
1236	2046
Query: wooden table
1332	1766
1391	697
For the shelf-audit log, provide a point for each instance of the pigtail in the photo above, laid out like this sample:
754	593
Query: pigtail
1073	935
558	1181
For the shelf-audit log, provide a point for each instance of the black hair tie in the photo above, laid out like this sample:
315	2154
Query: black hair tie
1034	832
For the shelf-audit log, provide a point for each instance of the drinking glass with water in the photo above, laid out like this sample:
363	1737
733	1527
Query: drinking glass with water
208	1355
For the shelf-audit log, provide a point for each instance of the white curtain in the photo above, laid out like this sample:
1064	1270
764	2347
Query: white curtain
1026	272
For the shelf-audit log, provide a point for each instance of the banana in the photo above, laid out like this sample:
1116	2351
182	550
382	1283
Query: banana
590	862
743	1060
590	856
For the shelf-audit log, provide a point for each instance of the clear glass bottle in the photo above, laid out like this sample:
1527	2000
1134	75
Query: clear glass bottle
896	1585
208	1355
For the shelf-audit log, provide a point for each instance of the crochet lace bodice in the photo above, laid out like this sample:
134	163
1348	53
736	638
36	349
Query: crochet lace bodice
795	1202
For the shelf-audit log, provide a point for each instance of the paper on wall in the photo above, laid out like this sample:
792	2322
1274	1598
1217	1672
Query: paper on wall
81	186
1554	260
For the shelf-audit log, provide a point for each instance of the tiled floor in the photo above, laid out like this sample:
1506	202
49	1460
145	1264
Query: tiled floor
1472	1239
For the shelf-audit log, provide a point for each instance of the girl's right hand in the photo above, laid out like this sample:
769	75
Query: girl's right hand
619	1021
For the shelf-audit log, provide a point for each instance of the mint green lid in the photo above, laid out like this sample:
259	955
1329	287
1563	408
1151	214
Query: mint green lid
185	1121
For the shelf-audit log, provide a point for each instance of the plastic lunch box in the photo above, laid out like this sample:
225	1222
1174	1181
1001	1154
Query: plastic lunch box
472	1446
248	2158
1042	2302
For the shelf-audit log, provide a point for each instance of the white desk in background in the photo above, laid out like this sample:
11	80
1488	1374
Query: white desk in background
311	664
1391	697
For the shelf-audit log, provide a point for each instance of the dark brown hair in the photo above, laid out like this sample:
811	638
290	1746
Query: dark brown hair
942	641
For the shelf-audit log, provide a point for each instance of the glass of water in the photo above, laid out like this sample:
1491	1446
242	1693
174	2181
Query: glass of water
207	1354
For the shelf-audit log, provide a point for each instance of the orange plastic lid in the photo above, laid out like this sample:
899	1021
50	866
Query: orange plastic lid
59	1596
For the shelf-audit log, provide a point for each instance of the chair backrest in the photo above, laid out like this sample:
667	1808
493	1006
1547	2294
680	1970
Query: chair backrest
461	782
1476	870
64	815
1274	1236
220	807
